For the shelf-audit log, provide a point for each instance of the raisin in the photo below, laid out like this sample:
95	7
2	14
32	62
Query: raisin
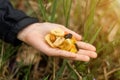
68	36
76	46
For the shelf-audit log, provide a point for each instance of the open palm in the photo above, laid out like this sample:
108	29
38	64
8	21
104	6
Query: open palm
34	35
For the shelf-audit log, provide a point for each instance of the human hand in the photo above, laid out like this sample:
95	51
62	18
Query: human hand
34	35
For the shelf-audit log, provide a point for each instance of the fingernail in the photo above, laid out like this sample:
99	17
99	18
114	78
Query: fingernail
93	48
87	58
95	55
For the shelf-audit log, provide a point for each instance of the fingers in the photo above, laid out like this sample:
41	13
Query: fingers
84	55
91	54
86	46
81	55
69	55
81	58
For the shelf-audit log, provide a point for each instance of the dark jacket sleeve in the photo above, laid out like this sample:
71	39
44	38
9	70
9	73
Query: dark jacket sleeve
12	21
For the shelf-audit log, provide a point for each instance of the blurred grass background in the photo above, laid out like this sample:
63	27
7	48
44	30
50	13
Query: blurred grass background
98	21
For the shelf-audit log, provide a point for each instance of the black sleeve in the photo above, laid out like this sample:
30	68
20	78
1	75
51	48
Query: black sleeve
12	21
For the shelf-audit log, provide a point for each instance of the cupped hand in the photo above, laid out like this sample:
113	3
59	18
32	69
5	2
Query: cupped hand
34	35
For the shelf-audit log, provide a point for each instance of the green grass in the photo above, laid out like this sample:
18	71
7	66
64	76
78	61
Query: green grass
66	9
90	19
42	10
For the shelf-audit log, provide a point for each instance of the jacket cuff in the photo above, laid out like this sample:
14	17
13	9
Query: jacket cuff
12	34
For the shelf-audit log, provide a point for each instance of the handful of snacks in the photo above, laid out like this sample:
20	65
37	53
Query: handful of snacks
57	38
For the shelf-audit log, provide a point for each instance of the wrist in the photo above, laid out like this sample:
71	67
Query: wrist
26	31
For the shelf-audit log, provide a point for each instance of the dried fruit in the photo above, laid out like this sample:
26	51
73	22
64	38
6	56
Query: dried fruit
58	41
57	32
57	38
47	38
67	44
52	38
68	36
76	46
73	49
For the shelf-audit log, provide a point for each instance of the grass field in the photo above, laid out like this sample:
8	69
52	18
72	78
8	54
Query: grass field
98	21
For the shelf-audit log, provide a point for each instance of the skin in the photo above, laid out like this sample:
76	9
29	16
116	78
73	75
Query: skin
34	35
